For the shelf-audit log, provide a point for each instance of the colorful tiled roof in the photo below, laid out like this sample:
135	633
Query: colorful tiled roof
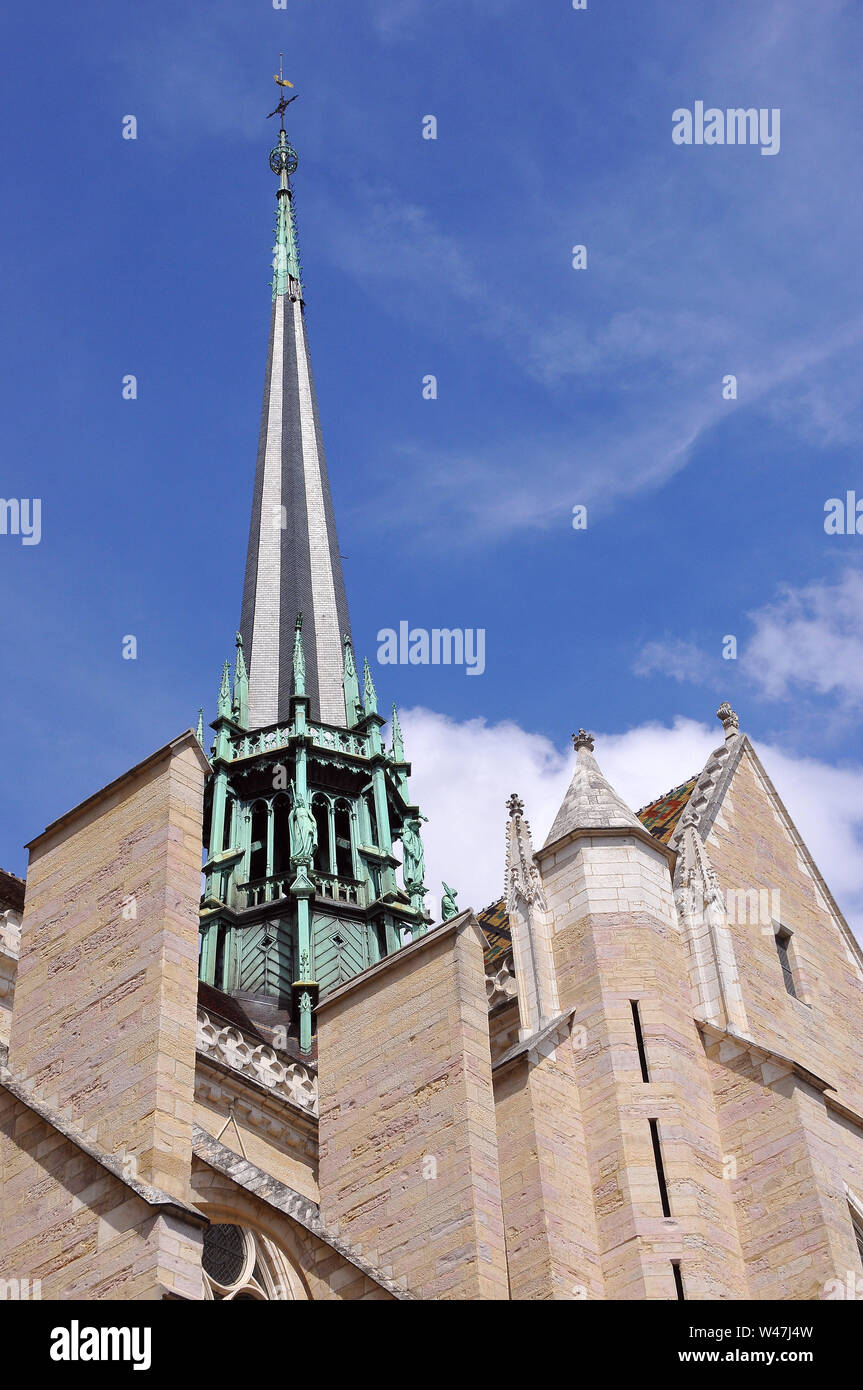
494	924
662	815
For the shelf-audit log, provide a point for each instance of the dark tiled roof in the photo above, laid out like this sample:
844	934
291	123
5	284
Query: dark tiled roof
494	924
226	1008
11	891
259	1018
662	815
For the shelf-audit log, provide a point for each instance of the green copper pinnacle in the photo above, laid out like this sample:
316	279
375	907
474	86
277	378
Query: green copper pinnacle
241	687
370	696
299	658
224	704
286	256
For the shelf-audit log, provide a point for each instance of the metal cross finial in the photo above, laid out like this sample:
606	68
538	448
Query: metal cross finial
583	740
284	102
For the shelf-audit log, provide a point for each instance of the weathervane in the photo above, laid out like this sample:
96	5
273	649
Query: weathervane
284	102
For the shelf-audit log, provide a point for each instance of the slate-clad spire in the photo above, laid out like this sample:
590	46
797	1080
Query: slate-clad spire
591	803
293	563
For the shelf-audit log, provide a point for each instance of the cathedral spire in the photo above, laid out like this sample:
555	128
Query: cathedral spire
293	563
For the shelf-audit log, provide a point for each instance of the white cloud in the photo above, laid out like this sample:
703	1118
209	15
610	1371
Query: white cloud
811	638
680	660
466	771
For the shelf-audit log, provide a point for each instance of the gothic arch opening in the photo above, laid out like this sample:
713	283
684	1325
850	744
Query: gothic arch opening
321	813
241	1263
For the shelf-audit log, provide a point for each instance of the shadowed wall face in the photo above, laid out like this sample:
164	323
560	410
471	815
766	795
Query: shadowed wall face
103	1026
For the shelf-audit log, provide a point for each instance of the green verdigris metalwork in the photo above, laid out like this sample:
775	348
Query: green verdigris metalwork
286	255
301	820
448	908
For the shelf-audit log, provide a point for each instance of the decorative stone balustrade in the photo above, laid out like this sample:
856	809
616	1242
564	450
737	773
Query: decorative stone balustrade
290	1080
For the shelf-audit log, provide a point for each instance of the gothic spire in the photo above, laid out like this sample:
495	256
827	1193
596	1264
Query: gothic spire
591	803
293	563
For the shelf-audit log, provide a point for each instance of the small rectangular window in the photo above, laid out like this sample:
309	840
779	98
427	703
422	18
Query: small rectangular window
639	1039
678	1281
660	1168
783	944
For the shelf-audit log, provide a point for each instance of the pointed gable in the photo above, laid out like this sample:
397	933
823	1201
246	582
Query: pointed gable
799	966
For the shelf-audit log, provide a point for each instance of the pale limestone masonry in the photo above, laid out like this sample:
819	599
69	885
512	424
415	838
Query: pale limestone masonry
408	1163
10	942
78	1221
644	1094
100	1194
103	1028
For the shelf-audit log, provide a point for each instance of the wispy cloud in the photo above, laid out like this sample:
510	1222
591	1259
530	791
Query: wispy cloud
810	640
673	657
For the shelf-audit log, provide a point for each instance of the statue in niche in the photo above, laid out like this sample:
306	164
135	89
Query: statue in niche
303	828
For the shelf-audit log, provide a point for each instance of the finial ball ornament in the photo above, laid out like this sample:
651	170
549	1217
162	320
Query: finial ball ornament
283	157
583	740
515	805
728	716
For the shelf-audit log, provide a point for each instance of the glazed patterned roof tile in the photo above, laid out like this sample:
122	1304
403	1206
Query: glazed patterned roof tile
660	817
494	924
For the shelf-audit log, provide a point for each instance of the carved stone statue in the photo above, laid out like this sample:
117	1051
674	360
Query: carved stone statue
304	830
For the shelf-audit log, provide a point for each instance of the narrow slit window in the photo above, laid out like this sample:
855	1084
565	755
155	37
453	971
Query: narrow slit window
857	1223
783	948
678	1281
660	1167
639	1039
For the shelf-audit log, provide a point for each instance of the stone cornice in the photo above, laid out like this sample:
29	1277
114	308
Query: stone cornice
153	1196
764	1055
226	1047
615	832
538	1045
847	1114
284	1199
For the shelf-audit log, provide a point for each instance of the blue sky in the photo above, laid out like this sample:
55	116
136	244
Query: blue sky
556	386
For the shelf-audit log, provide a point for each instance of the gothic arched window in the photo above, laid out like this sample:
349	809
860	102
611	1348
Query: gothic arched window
344	840
227	826
281	835
321	813
369	801
258	854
